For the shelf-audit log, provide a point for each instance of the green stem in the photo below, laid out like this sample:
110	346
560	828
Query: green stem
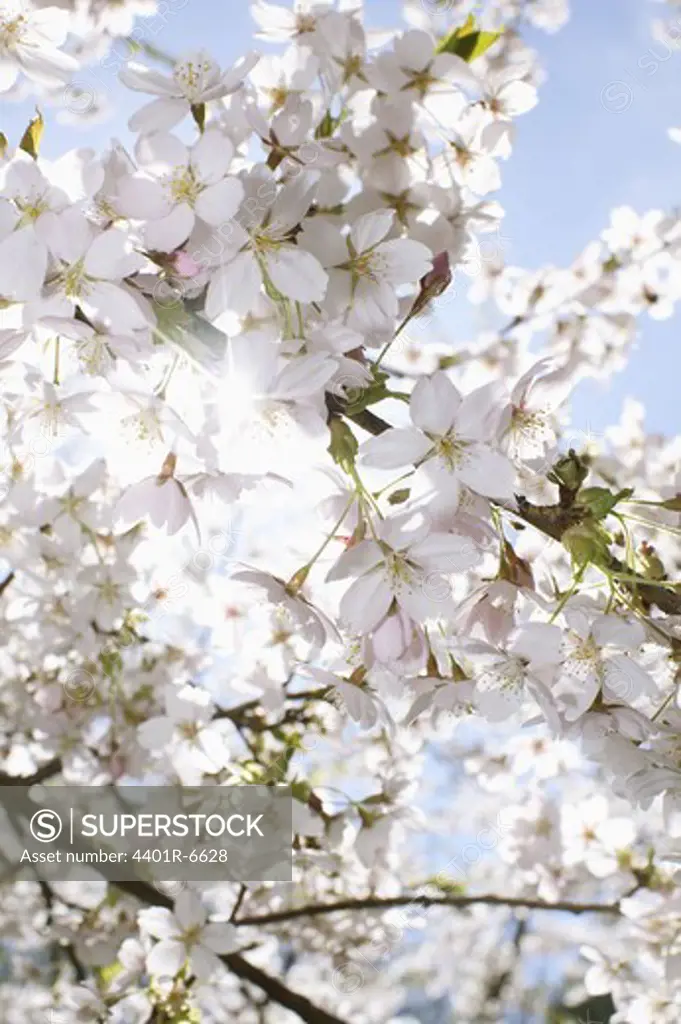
327	540
568	594
55	378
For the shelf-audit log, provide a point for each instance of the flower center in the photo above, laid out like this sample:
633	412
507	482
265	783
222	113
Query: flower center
399	571
192	935
143	425
71	503
108	591
421	81
305	23
31	209
193	76
12	32
278	96
450	449
584	657
351	67
189	730
74	281
265	242
184	186
94	354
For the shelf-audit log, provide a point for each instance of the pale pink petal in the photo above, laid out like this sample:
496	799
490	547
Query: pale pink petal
366	602
354	561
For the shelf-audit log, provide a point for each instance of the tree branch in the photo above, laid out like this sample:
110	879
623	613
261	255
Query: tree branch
67	948
46	771
386	903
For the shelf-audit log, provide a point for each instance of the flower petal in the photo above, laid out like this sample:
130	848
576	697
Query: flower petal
218	203
296	274
400	446
434	404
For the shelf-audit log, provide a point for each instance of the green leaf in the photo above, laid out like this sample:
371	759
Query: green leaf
600	501
445	362
301	790
369	395
587	543
343	448
30	140
326	126
199	115
109	972
3	143
398	497
672	504
446	885
329	123
468	41
569	472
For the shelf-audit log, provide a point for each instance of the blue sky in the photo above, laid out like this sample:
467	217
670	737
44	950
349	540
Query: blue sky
574	158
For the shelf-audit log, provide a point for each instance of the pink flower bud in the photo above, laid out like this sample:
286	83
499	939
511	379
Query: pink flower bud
184	264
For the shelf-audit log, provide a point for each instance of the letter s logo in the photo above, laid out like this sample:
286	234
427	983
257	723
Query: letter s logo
46	826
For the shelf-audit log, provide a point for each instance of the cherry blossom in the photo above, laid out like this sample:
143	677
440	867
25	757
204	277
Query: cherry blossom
275	512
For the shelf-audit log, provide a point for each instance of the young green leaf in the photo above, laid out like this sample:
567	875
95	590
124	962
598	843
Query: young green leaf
30	140
468	41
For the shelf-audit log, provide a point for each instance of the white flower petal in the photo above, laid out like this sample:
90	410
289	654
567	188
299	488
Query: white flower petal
218	203
370	228
189	910
234	287
166	959
158	116
487	472
169	232
212	155
296	274
366	602
159	922
221	938
434	403
400	446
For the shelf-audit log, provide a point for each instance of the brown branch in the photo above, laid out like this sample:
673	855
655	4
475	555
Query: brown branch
46	771
389	902
67	948
275	989
370	422
6	582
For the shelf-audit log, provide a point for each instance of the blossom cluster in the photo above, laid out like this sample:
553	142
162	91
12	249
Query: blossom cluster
256	531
